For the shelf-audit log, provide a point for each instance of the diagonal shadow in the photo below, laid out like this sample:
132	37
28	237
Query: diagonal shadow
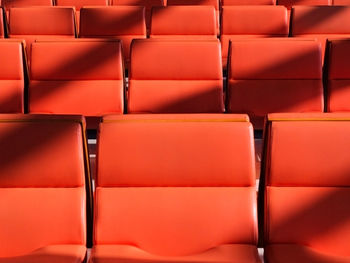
76	60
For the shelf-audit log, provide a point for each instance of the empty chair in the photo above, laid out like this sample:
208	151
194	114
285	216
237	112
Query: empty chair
11	77
188	22
42	189
214	3
250	2
76	77
148	4
78	4
34	23
175	76
338	84
2	23
321	22
237	23
278	75
119	22
307	191
174	186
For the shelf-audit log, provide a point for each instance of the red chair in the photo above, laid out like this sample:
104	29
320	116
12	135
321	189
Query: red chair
173	193
307	163
43	192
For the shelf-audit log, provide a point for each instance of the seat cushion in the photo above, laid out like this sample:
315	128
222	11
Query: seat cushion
127	254
302	254
52	254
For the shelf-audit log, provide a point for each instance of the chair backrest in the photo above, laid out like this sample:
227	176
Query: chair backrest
268	20
78	4
338	94
274	75
112	21
250	2
307	194
174	76
214	3
11	77
290	3
41	21
84	77
320	20
42	187
196	21
161	180
341	2
7	4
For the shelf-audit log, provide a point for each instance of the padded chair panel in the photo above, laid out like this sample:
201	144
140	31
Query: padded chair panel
269	60
236	21
195	20
89	97
78	4
320	20
341	2
184	58
258	97
21	169
290	3
171	214
289	253
102	60
176	156
7	4
297	215
41	21
167	96
320	159
220	254
12	96
34	218
52	254
174	76
112	21
214	3
250	2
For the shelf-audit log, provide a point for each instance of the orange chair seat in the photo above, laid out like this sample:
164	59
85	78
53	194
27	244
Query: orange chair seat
223	253
290	253
52	254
